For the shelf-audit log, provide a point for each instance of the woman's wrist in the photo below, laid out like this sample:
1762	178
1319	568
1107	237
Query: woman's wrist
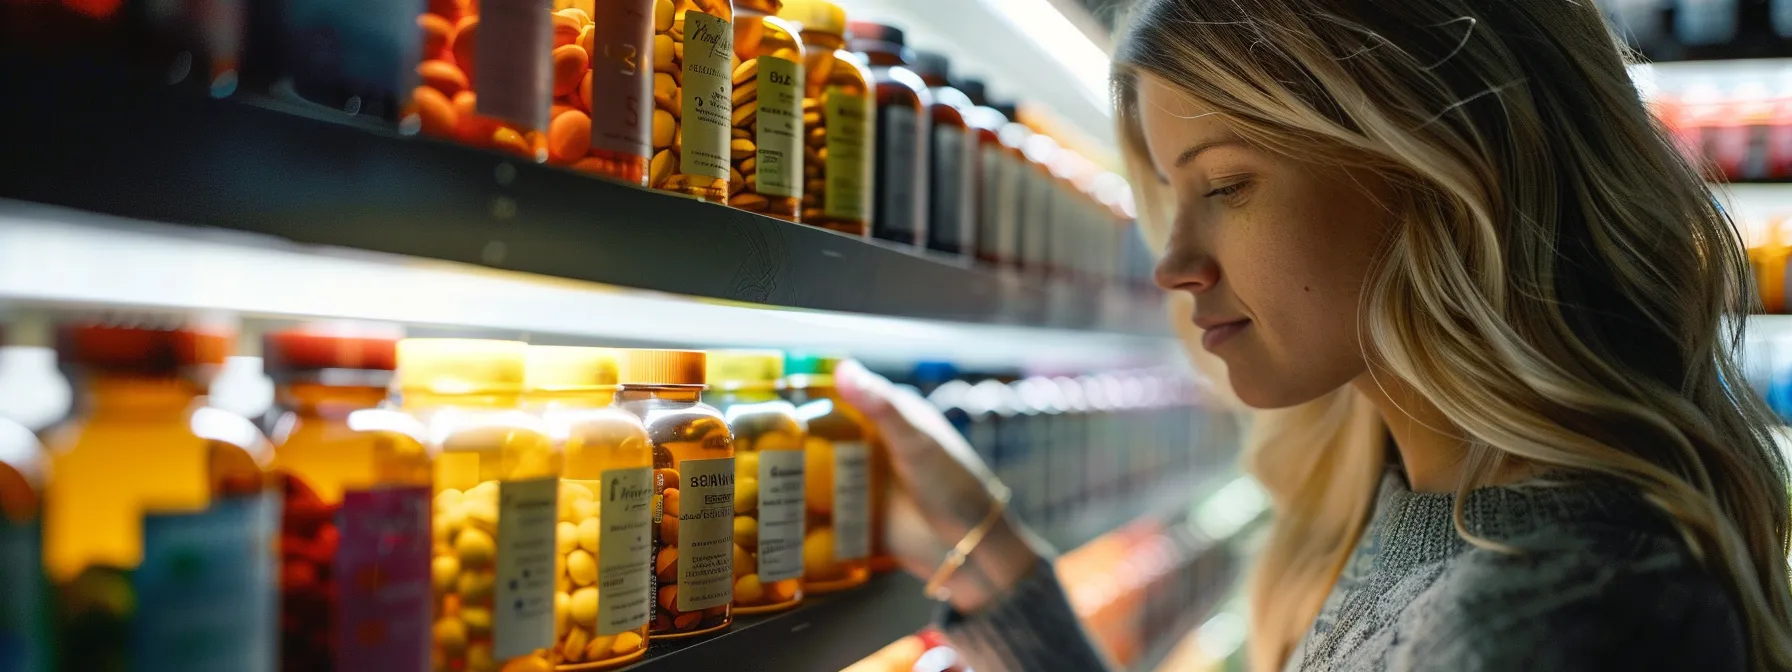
1005	557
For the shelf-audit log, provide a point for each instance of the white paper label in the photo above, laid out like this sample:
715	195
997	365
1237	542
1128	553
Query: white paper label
708	90
514	74
624	550
852	500
705	533
523	602
780	515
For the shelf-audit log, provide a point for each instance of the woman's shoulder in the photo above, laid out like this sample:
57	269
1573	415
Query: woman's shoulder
1617	589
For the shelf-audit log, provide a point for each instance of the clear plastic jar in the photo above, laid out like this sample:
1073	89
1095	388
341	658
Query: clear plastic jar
497	98
837	110
602	116
356	479
837	473
693	459
766	142
694	88
497	480
769	474
603	544
150	487
900	172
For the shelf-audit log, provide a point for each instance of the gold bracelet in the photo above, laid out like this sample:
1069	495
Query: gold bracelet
936	585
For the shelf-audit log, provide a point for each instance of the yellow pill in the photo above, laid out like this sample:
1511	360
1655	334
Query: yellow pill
818	553
664	127
746	465
588	535
566	537
662	15
475	548
748	589
577	492
479	658
743	561
584	607
443	571
746	495
482	515
450	523
478	620
626	642
574	647
582	568
475	586
451	635
487	491
746	531
448	499
662	53
585	510
599	647
562	611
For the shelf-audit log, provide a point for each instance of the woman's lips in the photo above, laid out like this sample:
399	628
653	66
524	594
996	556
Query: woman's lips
1220	333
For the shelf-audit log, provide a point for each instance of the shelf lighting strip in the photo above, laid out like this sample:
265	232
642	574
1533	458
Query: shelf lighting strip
71	259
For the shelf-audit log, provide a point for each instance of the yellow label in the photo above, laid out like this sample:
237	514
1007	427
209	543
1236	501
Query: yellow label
778	131
847	193
708	92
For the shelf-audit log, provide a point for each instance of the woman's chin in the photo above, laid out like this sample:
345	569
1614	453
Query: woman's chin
1268	390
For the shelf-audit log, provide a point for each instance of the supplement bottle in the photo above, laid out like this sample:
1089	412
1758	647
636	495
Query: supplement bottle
356	480
900	169
693	68
837	477
497	98
837	110
602	114
768	478
162	527
603	543
497	477
694	556
952	152
25	614
766	141
1033	231
994	187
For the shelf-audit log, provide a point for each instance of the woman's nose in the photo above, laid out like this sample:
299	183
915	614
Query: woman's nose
1184	268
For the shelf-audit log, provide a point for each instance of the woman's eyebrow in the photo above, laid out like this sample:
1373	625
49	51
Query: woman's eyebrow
1189	154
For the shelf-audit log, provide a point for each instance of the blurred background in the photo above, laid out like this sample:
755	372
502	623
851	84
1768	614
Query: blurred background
937	193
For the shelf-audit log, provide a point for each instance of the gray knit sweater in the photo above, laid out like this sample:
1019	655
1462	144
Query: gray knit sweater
1604	584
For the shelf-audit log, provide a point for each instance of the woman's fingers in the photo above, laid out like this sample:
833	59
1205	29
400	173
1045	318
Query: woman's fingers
920	439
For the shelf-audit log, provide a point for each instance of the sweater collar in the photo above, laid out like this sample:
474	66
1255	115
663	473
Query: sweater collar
1414	528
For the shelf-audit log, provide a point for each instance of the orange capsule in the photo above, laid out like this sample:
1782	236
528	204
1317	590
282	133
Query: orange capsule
451	10
569	137
465	45
436	112
566	30
507	139
570	64
437	32
474	129
582	97
442	76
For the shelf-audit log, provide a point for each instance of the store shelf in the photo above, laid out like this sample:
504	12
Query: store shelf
825	633
102	141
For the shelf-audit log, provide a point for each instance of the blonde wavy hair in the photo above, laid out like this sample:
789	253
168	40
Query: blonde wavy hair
1560	285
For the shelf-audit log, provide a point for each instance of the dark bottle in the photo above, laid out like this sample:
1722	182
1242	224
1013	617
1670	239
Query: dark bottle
952	159
899	212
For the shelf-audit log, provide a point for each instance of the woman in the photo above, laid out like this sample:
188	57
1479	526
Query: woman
1446	238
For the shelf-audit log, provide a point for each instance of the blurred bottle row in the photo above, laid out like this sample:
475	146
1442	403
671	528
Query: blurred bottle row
475	505
779	107
1739	128
1671	30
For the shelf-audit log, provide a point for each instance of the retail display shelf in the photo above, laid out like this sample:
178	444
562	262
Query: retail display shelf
105	141
825	632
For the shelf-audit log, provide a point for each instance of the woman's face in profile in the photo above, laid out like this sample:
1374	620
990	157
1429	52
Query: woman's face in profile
1274	251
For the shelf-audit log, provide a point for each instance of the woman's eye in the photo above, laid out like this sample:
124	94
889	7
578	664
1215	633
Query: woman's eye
1228	190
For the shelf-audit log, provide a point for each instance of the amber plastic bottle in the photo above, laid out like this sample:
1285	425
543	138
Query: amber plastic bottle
602	114
162	526
995	183
900	168
499	98
1033	232
693	459
837	109
952	159
768	484
766	142
357	488
604	540
837	473
694	64
496	495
